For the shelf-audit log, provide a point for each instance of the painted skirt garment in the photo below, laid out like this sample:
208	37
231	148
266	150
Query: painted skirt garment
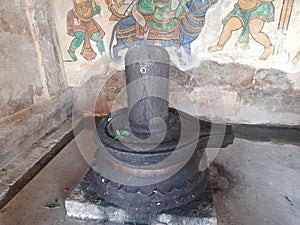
264	11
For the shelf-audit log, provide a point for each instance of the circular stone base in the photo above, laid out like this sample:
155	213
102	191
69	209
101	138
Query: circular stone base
183	187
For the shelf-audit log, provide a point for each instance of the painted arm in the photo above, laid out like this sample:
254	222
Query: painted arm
182	8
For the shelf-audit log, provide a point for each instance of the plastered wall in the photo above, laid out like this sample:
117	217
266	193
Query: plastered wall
255	71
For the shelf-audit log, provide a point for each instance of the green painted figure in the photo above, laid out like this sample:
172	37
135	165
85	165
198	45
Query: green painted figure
250	15
165	17
84	28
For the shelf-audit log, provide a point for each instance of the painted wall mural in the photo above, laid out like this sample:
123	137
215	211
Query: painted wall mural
83	27
250	15
144	22
285	15
166	23
261	33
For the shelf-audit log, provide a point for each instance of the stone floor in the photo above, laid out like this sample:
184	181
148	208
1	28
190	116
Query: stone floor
258	184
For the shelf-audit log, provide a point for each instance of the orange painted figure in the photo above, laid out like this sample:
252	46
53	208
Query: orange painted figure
83	27
251	15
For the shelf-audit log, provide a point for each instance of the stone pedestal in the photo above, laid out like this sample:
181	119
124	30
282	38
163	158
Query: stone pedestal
84	204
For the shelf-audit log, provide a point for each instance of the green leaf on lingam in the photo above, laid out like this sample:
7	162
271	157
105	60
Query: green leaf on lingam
124	133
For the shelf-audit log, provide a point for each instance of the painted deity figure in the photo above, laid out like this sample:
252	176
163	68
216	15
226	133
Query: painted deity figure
251	15
83	27
164	19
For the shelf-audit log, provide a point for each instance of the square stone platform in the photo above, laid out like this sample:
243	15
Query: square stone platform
85	204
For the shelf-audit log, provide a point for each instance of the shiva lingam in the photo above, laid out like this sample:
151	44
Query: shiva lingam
149	154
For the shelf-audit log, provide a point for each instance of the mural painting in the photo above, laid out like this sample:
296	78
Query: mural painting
124	8
251	16
284	21
285	15
83	27
159	22
174	23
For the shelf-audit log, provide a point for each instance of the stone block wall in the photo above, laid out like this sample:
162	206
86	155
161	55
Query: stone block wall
33	94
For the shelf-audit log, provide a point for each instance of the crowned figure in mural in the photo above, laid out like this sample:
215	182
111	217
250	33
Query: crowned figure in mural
251	15
83	27
168	23
164	20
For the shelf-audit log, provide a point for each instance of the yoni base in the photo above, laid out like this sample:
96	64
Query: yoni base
85	204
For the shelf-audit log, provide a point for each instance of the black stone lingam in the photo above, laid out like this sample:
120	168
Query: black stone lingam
149	154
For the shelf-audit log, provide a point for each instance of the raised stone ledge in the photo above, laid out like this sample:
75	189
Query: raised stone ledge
20	130
16	174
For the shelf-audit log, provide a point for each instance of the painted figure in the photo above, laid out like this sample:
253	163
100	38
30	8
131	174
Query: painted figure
251	15
165	18
189	26
84	28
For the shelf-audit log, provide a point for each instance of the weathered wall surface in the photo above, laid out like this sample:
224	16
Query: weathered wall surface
242	94
247	80
31	76
19	76
27	76
255	97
